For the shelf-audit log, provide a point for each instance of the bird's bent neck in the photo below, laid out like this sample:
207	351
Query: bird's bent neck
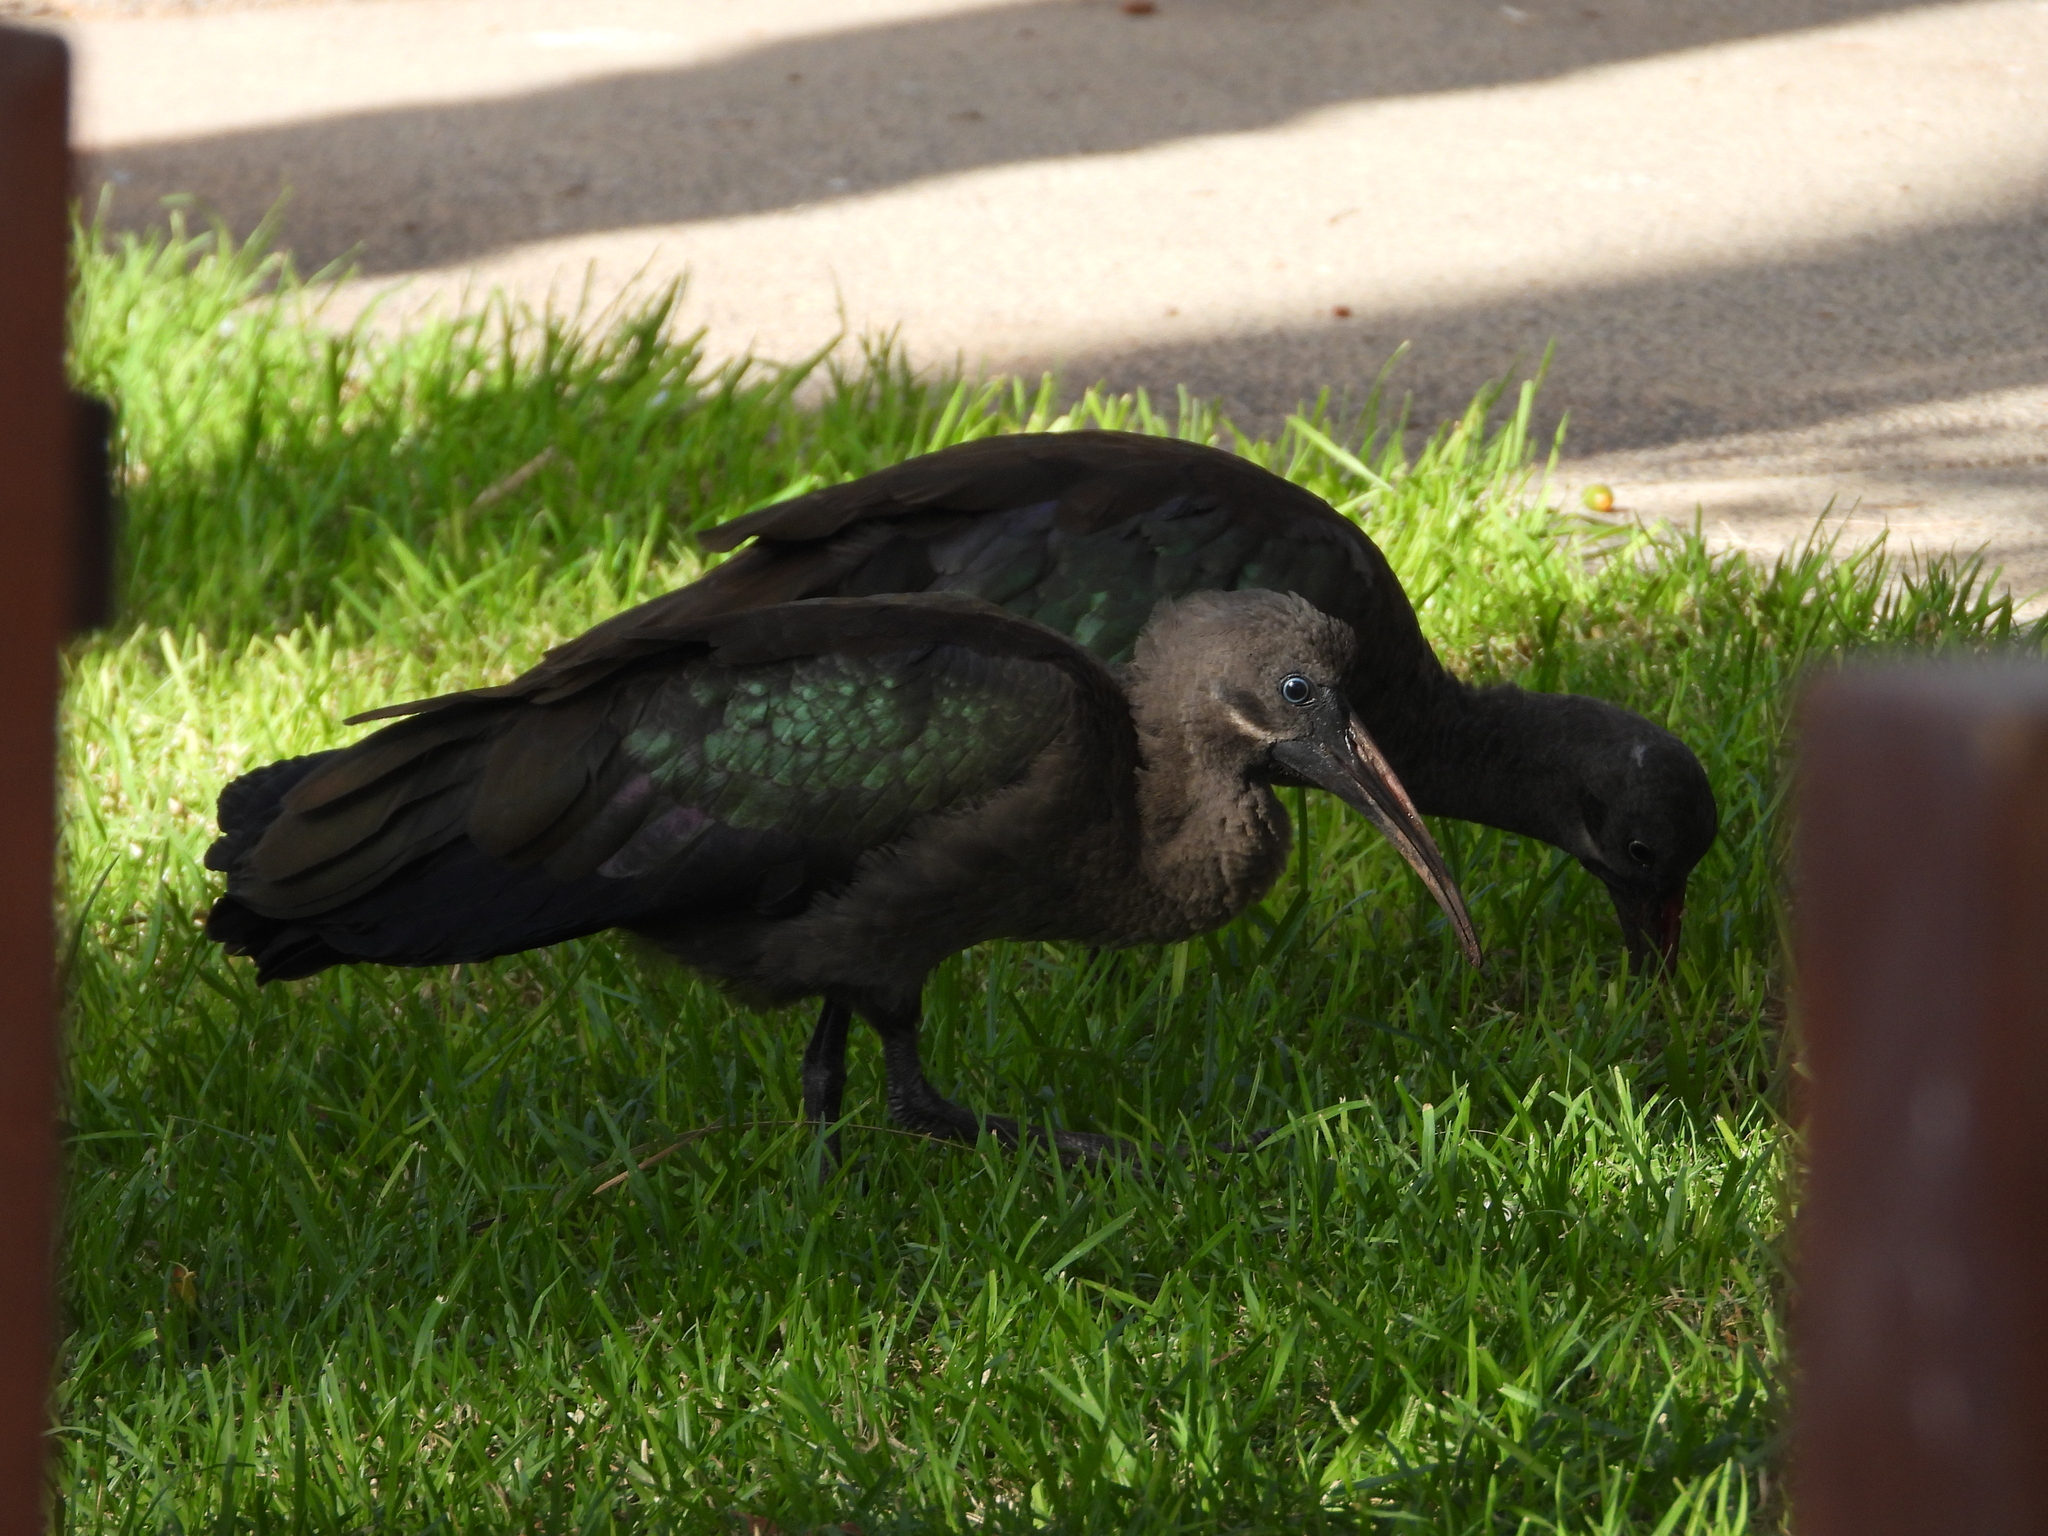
1495	756
1212	841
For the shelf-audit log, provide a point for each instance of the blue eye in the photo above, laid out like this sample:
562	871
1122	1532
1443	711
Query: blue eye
1297	689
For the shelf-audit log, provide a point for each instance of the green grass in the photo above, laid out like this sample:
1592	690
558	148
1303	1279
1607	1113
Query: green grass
340	1253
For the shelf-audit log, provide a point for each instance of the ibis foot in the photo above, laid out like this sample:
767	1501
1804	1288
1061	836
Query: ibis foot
917	1106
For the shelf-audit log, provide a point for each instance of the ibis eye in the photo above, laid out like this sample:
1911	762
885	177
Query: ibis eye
1297	689
1642	853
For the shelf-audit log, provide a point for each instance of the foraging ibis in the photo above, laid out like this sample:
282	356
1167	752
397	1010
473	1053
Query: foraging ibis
821	799
1085	531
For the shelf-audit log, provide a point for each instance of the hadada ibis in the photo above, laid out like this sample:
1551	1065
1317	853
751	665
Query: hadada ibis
821	799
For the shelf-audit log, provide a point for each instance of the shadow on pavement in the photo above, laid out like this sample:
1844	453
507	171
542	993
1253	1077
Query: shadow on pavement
811	118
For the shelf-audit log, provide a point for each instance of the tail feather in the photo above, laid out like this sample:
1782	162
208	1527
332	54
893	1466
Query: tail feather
441	901
250	804
245	810
283	950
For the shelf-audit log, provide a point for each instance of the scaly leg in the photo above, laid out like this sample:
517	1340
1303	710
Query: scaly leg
917	1106
825	1071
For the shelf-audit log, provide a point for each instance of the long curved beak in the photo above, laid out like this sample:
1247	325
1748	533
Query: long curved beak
1349	764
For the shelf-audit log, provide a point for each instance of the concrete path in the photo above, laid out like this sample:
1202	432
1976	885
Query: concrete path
1791	251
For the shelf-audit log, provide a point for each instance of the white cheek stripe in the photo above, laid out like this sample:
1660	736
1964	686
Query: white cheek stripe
1250	727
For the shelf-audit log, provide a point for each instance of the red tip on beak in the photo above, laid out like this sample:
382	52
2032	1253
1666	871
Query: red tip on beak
1670	918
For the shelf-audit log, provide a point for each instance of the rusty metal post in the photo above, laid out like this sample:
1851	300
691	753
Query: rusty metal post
1920	1319
36	465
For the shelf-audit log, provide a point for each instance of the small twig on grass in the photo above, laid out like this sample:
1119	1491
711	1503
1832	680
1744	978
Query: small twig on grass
764	1125
516	479
761	1525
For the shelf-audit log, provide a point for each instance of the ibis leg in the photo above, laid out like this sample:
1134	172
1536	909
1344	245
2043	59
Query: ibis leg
825	1069
913	1103
917	1106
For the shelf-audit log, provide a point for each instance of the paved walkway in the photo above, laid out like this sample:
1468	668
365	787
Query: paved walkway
1791	251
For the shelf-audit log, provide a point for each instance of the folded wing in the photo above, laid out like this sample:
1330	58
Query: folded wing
714	771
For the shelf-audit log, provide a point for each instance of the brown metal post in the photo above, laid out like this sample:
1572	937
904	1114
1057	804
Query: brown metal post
1920	1322
36	457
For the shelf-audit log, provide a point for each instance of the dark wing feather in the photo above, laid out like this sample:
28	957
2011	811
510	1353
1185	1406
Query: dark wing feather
1081	531
747	765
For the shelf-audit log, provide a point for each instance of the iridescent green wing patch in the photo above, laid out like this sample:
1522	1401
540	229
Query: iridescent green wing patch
850	748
